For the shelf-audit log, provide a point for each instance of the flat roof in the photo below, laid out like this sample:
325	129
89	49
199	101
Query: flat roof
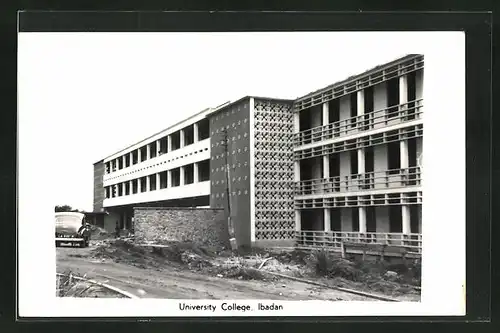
155	134
228	104
365	73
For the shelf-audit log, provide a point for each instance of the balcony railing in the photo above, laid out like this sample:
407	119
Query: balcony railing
334	239
393	115
388	179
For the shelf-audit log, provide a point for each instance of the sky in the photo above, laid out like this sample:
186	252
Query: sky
84	96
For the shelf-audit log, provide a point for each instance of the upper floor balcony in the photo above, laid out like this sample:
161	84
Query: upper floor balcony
389	118
381	180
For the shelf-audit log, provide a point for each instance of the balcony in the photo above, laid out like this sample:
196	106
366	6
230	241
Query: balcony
394	115
335	239
389	179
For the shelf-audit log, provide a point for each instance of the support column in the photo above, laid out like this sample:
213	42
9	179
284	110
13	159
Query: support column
169	143
361	160
326	113
195	173
296	122
405	214
138	185
148	183
183	139
403	94
327	219
123	189
124	216
124	161
158	147
298	222
148	151
131	158
169	178
195	132
181	176
139	155
131	187
158	181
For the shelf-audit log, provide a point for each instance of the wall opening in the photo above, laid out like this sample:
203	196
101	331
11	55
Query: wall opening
369	159
204	170
176	177
143	153
305	120
106	189
334	110
393	97
393	156
127	188
188	135
354	108
415	219
355	219
203	129
395	219
336	222
354	161
107	167
371	221
134	157
163	145
120	163
120	189
134	186
163	180
152	182
188	174
175	138
412	94
152	149
312	219
368	97
143	184
127	160
334	165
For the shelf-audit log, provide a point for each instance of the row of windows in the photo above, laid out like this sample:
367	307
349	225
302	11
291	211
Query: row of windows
157	164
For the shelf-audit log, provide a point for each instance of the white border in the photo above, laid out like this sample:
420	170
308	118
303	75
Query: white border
443	271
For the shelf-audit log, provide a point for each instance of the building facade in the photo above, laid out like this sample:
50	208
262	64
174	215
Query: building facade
341	163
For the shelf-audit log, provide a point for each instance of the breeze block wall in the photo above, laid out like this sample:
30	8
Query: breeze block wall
274	172
98	186
205	226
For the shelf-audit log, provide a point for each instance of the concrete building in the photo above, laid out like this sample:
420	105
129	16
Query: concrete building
341	163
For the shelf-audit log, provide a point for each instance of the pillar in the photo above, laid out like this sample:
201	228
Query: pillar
158	147
123	189
405	212
124	216
183	139
158	181
296	122
139	155
131	158
181	176
327	219
169	178
131	187
148	151
138	185
148	183
169	143
195	132
195	173
124	161
403	90
361	160
298	224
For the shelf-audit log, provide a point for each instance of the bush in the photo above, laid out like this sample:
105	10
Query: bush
326	264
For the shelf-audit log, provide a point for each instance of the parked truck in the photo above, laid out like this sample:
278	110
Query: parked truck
71	228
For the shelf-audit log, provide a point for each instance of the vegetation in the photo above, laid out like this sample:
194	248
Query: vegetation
67	208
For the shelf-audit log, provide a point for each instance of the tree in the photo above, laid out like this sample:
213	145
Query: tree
66	208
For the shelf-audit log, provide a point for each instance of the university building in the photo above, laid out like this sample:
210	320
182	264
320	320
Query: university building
341	163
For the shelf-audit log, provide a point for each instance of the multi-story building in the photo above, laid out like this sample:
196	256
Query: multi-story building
341	163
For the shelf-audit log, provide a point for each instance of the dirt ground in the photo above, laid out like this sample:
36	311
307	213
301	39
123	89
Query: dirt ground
186	271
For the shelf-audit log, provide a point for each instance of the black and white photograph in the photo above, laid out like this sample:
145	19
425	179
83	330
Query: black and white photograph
242	173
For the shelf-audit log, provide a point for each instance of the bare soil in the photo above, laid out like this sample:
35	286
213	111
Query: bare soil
185	270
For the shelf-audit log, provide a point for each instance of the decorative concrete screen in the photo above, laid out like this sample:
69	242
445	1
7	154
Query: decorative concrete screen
204	226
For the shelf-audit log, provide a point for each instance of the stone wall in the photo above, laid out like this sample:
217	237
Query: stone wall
205	226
